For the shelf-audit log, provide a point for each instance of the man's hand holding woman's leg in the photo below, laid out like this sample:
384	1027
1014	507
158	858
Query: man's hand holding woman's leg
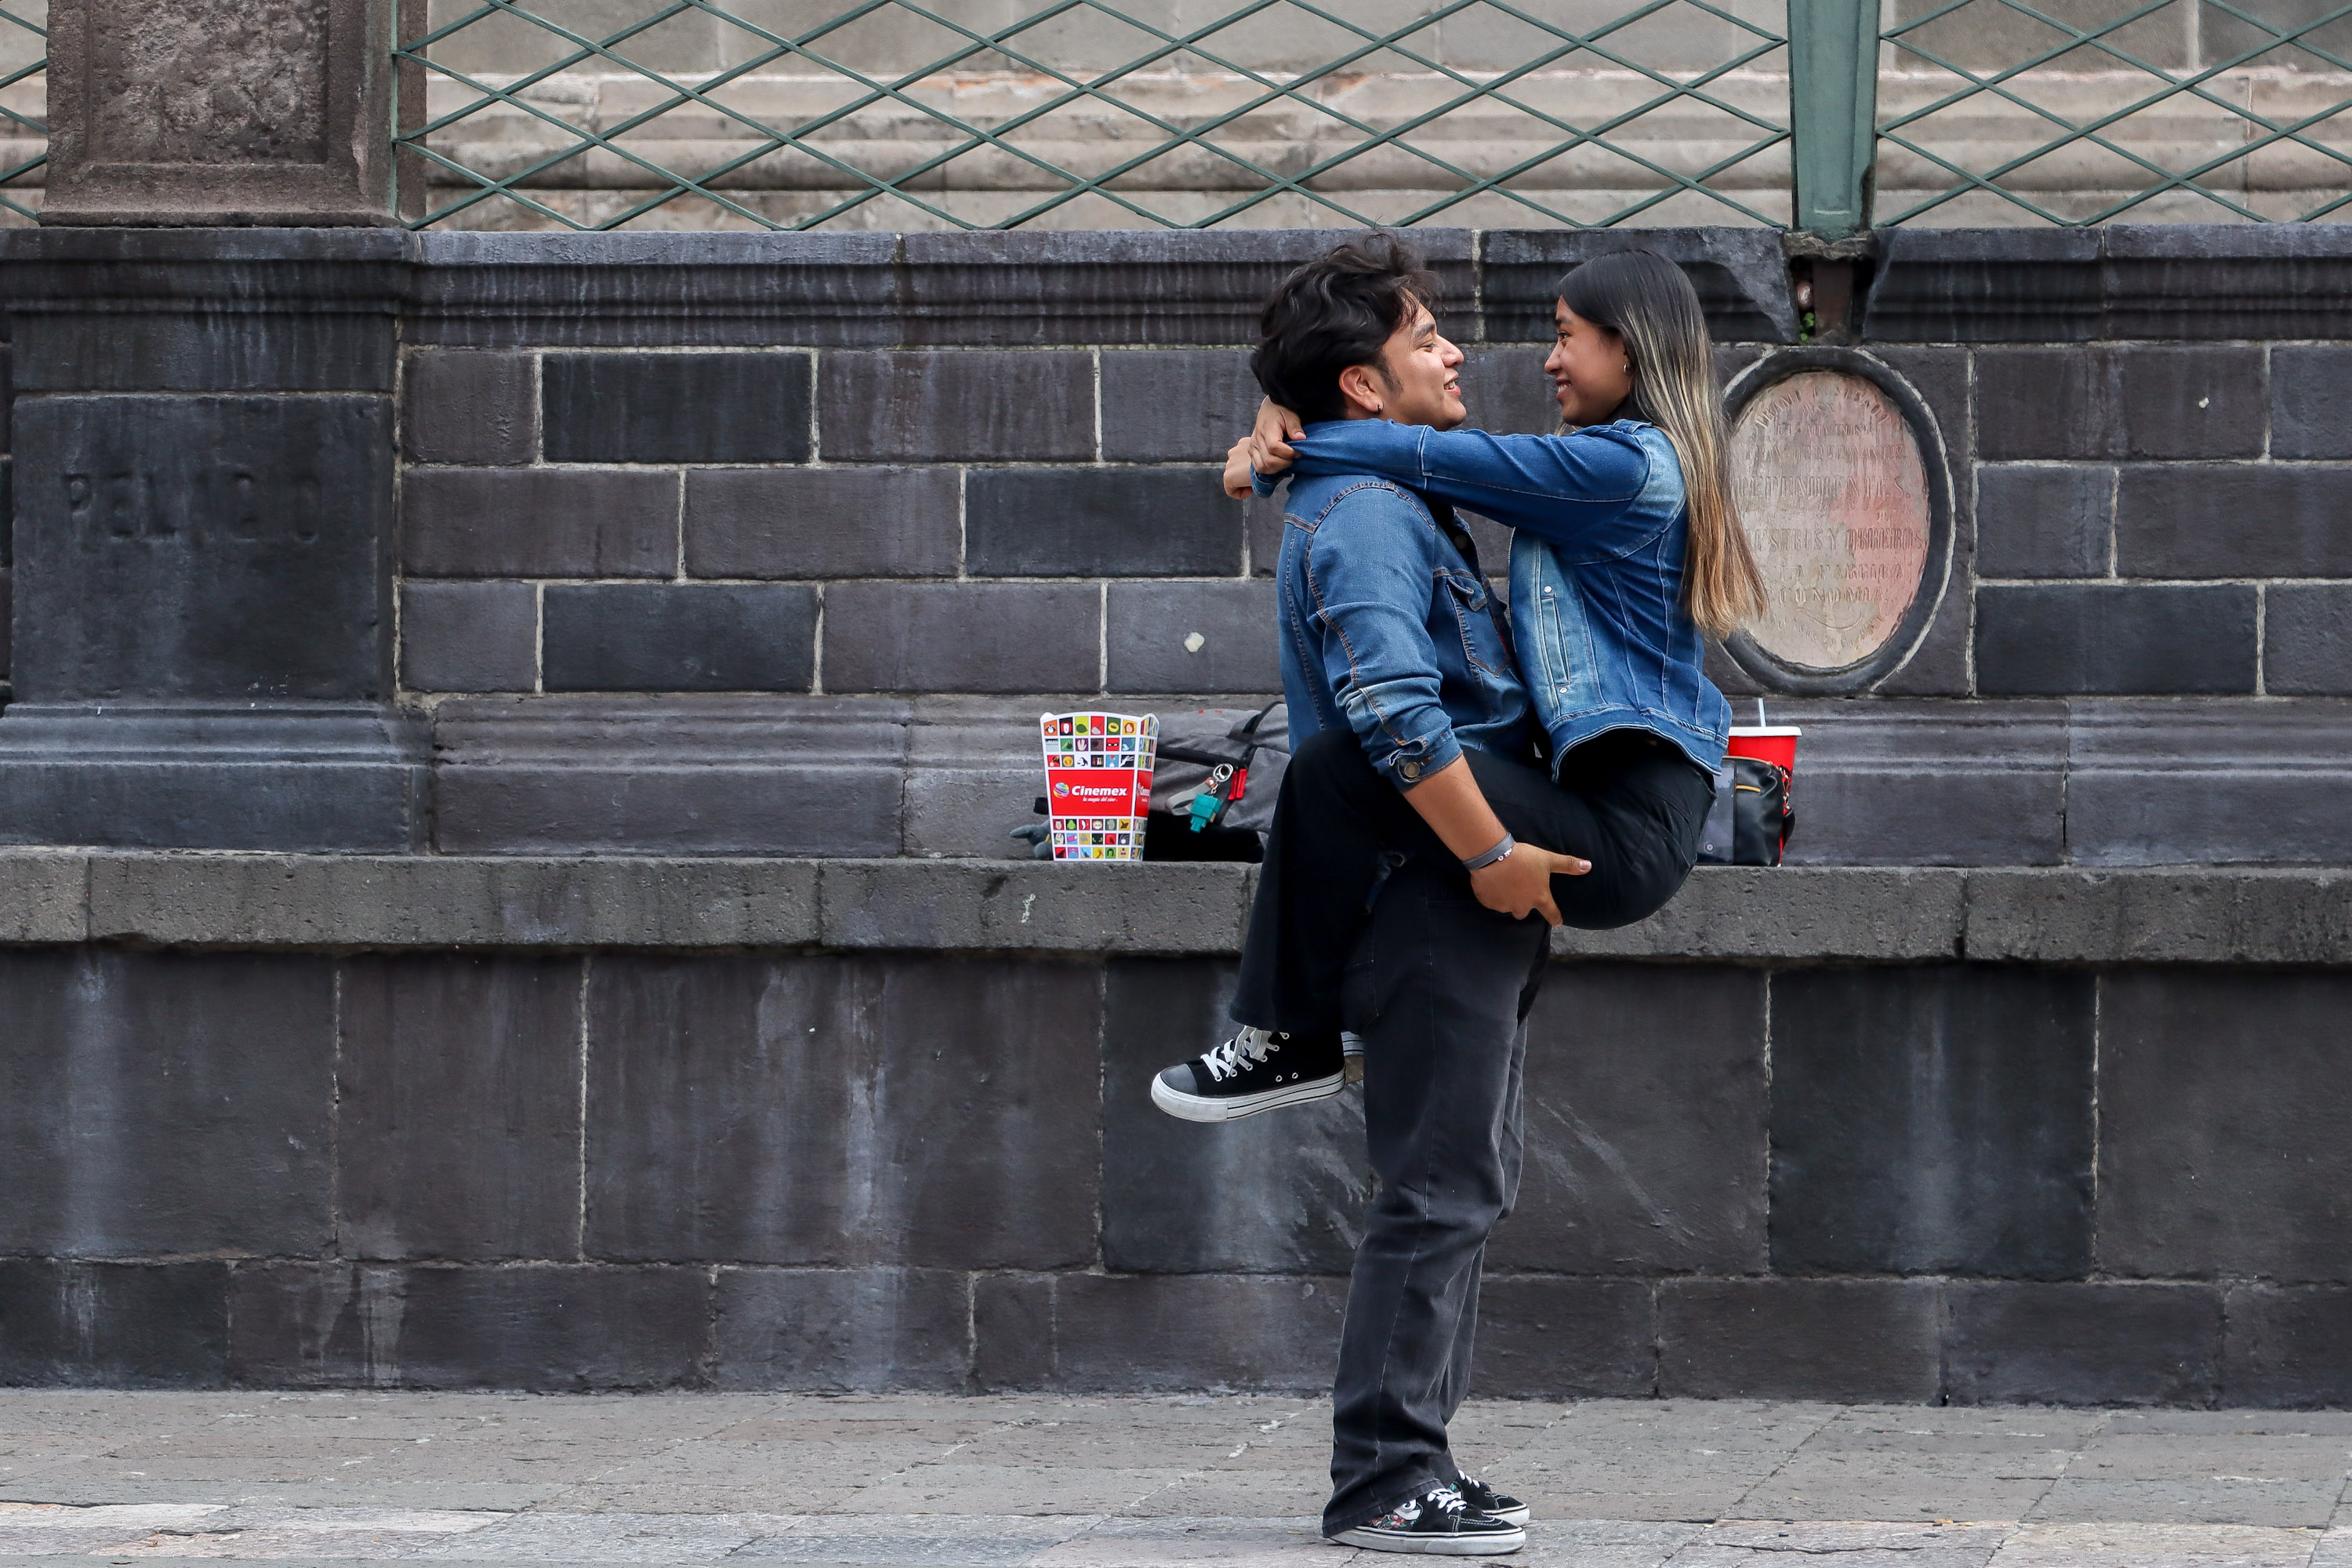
1517	885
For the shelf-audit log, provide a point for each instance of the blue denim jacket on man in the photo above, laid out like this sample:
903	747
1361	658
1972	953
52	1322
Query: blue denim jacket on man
1387	629
1604	642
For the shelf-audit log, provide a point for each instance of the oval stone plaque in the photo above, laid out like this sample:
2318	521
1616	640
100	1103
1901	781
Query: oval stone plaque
1833	494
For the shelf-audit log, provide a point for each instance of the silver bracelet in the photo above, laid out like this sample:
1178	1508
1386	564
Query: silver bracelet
1480	862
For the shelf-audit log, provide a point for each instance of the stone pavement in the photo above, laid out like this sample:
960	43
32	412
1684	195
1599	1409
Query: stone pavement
103	1480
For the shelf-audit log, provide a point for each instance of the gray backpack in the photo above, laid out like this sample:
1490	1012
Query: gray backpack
1233	757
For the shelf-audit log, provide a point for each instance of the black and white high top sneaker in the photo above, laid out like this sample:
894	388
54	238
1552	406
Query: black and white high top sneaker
1485	1500
1440	1524
1255	1071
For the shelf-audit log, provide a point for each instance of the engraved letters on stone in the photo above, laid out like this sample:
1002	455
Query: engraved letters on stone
217	504
1834	496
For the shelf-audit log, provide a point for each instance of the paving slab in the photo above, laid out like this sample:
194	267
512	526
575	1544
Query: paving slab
953	1488
2231	1499
969	1540
494	1496
1737	1543
1597	1543
2334	1547
620	1538
1293	1492
2127	1545
2196	1454
788	1466
1227	1542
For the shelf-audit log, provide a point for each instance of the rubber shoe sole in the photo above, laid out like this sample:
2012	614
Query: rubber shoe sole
1484	1543
1201	1107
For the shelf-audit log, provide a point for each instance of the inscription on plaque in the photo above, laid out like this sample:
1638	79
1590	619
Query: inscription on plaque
1833	494
219	502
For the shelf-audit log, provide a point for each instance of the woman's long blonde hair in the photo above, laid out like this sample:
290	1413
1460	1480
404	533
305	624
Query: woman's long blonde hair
1645	299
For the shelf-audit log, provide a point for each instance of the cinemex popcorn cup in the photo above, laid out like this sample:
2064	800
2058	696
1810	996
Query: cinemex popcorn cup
1098	783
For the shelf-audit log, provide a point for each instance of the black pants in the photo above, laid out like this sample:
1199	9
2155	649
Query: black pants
1630	804
1439	987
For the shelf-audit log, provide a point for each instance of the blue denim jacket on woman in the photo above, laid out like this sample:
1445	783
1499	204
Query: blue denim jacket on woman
1604	642
1386	630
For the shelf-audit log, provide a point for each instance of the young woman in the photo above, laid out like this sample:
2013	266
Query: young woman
1628	553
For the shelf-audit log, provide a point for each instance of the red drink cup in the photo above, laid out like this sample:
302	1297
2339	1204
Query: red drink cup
1767	742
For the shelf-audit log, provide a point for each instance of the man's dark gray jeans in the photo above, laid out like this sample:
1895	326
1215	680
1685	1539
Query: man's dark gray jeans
1439	987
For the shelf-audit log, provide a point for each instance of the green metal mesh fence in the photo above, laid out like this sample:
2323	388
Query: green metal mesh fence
2081	112
1079	114
1200	113
23	103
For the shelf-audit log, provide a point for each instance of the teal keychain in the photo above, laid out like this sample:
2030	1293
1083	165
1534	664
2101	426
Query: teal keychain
1224	786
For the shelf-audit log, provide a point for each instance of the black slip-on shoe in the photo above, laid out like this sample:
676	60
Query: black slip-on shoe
1439	1523
1485	1500
1256	1070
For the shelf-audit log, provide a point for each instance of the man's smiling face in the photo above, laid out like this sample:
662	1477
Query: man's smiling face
1423	380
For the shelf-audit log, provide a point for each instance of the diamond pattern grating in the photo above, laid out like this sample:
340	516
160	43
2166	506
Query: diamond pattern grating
1199	113
1675	107
2175	110
24	69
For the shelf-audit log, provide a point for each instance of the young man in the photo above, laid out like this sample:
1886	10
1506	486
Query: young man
1397	664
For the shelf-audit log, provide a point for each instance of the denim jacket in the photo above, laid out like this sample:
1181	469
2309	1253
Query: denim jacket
1388	629
1604	642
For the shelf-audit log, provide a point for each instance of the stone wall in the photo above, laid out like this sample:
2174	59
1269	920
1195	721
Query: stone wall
902	531
695	1031
1904	1136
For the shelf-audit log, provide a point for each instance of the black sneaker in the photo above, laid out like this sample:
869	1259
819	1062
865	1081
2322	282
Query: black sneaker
1485	1500
1439	1523
1255	1071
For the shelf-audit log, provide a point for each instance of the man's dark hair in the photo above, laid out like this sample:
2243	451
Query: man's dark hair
1336	312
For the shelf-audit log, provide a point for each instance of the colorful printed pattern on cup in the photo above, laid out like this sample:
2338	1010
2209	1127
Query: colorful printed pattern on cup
1098	783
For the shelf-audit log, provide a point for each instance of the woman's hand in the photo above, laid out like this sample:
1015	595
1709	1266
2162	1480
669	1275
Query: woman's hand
1520	882
1269	440
1237	471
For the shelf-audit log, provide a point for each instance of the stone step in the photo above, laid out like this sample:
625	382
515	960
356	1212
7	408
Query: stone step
2054	915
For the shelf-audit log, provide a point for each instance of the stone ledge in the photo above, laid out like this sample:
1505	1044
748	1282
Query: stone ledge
998	905
1886	914
2220	915
2181	915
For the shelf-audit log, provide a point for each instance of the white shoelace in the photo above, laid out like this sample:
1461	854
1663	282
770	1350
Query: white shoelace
1244	1051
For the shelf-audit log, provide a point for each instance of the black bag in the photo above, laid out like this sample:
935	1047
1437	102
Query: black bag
1213	795
1752	819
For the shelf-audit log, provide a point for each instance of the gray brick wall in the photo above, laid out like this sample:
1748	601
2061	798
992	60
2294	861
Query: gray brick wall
997	483
522	1169
2097	481
919	497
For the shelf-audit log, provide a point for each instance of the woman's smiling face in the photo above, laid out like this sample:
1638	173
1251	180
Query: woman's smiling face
1590	373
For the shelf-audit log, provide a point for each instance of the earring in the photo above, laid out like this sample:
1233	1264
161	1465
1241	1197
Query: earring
1629	367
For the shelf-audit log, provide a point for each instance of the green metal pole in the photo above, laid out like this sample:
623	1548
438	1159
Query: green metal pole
1832	112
